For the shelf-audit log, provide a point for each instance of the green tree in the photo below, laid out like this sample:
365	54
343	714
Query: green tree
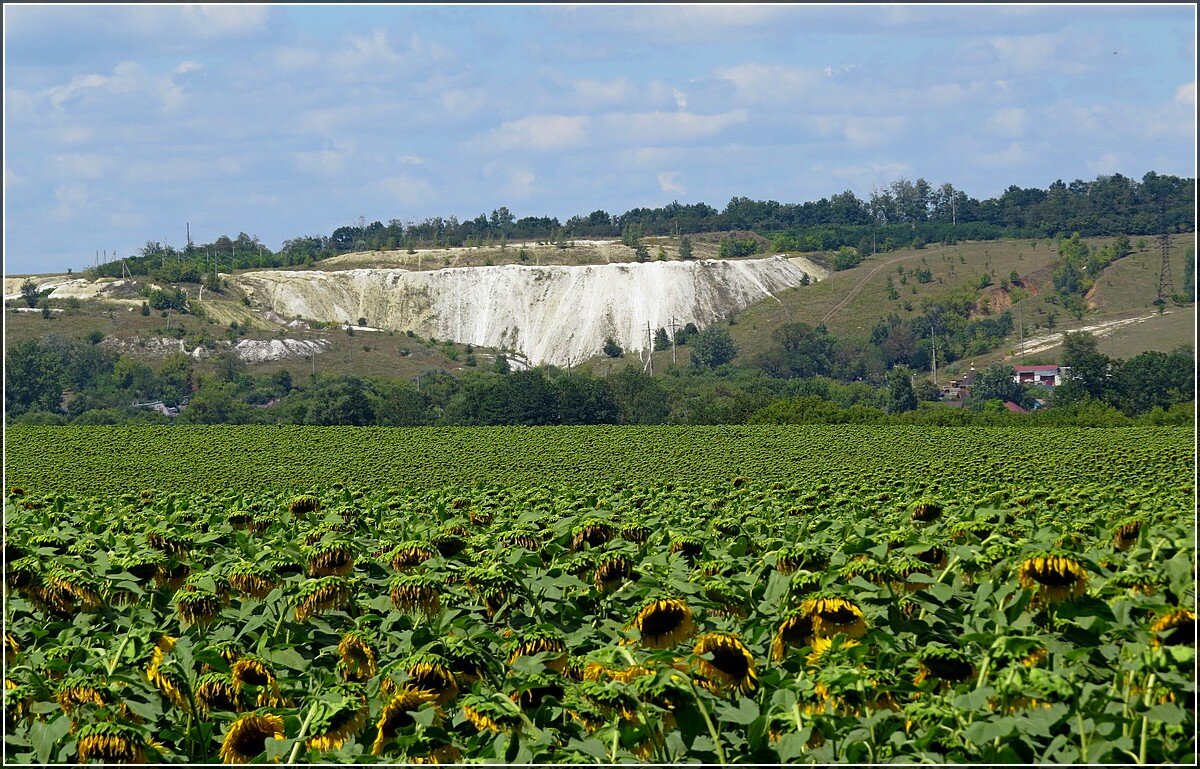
33	379
216	402
1155	380
1088	370
662	340
612	349
901	397
584	399
641	398
713	347
342	402
30	293
641	254
998	382
685	248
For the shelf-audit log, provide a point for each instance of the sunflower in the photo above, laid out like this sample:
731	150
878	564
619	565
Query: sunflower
169	682
252	580
251	671
932	556
1175	628
462	659
926	510
247	737
324	594
409	555
416	593
690	548
110	743
731	666
11	650
1054	578
228	650
330	558
397	715
197	607
493	586
534	689
170	542
592	533
611	571
304	504
1125	536
448	544
822	646
664	622
729	602
795	630
171	575
831	614
18	699
795	557
74	586
216	691
541	641
432	675
947	666
341	720
142	564
491	714
76	691
635	532
357	661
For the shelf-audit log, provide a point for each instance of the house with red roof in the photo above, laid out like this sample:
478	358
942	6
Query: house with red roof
1050	375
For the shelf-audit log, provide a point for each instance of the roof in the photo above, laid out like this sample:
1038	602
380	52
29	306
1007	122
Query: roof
1047	367
1013	407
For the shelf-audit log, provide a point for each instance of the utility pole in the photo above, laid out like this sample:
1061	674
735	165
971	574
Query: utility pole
1166	285
672	340
188	225
1021	330
650	352
933	338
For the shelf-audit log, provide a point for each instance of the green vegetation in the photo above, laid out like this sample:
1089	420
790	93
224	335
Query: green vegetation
348	595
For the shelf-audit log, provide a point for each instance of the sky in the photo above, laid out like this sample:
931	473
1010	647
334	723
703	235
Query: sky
123	123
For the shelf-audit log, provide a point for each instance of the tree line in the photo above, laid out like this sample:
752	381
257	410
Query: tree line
902	214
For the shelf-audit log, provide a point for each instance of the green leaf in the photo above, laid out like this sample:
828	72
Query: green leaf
44	734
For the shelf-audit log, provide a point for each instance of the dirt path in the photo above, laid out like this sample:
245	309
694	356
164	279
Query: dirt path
1049	341
857	287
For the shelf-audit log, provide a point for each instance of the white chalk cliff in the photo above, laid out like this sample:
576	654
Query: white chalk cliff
553	314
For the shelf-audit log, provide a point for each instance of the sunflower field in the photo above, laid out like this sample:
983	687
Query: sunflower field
970	605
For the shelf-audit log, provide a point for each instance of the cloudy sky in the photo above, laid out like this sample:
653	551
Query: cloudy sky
123	123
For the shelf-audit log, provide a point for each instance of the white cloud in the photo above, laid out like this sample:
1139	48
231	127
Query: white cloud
1107	163
407	190
1008	123
1013	155
175	170
129	78
71	198
1186	94
88	166
769	83
604	91
870	171
680	98
536	132
220	20
667	127
187	66
12	178
668	181
410	160
321	162
858	132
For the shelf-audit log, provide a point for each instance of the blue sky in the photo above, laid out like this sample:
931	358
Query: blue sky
123	122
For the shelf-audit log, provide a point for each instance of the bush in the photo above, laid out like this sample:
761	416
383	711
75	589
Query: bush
846	258
612	349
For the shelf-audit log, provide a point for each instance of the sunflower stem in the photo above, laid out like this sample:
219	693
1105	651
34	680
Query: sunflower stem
1150	681
112	664
1083	743
612	750
303	732
712	728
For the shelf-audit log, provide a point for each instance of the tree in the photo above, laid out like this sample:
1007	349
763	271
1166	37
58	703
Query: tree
999	383
641	398
803	351
33	379
900	396
343	402
641	254
584	399
1088	369
685	248
661	340
713	347
1155	379
30	293
612	349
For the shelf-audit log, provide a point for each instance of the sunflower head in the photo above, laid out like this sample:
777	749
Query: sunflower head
110	742
416	593
947	666
796	629
250	671
397	715
926	510
252	580
592	532
448	544
611	571
726	662
247	737
831	614
408	556
636	532
197	607
493	713
431	674
1174	628
339	719
664	622
11	650
691	548
356	657
1052	578
324	594
330	557
76	691
304	504
541	640
1125	535
215	691
532	690
794	557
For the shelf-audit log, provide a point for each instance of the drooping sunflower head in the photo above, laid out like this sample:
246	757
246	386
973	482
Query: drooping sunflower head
110	742
831	614
664	622
416	593
926	510
250	671
493	713
528	539
197	607
727	600
251	579
595	703
431	674
304	504
247	737
330	557
339	719
1053	578
75	587
611	571
143	563
794	557
533	690
592	532
493	585
725	661
408	556
1125	534
1174	628
635	531
76	691
215	691
871	569
324	594
541	640
948	666
796	629
18	699
356	657
397	715
11	650
448	544
463	659
691	548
